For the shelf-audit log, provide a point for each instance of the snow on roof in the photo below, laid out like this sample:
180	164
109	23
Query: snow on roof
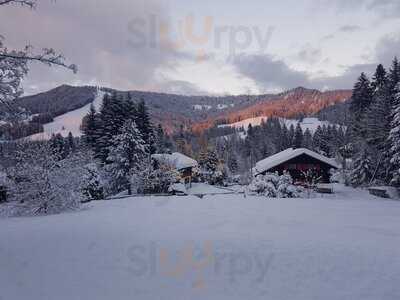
176	160
288	154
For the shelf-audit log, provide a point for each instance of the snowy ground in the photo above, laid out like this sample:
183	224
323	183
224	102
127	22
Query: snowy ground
342	246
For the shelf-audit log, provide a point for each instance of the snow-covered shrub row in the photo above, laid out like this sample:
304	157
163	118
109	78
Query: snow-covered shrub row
274	186
157	180
41	183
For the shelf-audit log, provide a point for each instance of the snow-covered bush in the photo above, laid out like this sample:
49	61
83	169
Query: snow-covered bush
42	184
272	185
93	183
285	187
157	180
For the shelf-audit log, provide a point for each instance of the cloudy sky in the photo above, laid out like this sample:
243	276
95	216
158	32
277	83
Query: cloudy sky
207	47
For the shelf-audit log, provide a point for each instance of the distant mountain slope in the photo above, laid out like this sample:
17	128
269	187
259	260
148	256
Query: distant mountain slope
58	101
168	109
296	102
69	122
193	112
338	113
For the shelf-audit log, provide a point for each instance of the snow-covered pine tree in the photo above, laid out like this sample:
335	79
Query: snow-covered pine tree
59	146
144	125
360	101
90	127
115	111
318	140
363	170
71	142
394	139
233	163
127	155
298	137
377	122
307	140
209	161
394	75
92	185
160	141
291	135
285	142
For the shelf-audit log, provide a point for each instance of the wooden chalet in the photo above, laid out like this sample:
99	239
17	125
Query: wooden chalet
179	162
297	162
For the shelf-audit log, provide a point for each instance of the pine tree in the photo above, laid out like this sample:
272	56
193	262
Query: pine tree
379	80
308	139
291	135
363	170
361	100
90	127
377	125
59	146
161	144
127	153
110	124
233	163
71	142
394	139
115	111
318	140
298	137
394	75
209	161
92	184
144	125
285	139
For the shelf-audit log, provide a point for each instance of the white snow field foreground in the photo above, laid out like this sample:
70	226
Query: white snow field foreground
342	246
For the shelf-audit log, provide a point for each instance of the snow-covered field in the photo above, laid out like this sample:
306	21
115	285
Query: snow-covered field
342	246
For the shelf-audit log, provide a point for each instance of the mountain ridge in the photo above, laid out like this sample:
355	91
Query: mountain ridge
195	113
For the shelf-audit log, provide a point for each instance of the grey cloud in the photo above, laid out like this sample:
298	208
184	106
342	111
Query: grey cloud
328	37
309	55
345	80
269	73
387	8
350	28
383	8
387	48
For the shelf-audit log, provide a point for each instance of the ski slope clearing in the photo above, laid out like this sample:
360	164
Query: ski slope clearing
341	246
69	122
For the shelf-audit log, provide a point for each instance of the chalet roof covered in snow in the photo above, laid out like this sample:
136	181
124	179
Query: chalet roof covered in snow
176	160
288	154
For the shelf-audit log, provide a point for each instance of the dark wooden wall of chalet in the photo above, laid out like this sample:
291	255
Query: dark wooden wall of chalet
304	159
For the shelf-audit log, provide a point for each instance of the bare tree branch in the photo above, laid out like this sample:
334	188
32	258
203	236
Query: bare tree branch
30	3
14	63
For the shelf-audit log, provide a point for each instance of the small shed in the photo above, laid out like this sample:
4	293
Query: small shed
180	162
297	162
